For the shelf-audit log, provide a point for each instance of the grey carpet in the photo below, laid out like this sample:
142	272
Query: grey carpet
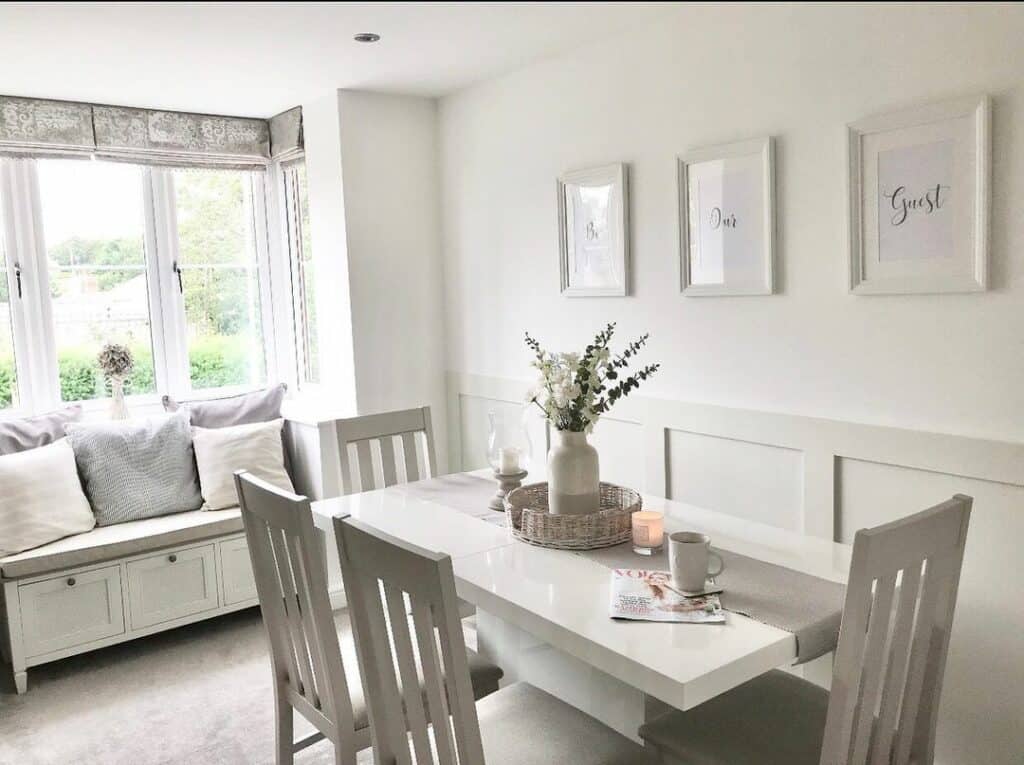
198	694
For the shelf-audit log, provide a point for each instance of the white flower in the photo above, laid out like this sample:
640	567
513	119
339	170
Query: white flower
571	360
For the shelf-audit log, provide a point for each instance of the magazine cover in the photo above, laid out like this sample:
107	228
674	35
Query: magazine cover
649	596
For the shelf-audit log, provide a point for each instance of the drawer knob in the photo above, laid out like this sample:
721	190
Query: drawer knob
172	558
71	582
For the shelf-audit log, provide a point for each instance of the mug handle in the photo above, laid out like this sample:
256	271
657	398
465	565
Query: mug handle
721	564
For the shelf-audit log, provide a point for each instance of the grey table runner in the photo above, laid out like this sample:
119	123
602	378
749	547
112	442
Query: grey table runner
805	605
466	493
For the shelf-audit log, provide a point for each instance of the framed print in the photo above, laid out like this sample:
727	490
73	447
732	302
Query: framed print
593	231
727	219
919	199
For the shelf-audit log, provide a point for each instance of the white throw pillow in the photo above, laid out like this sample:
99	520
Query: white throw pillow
221	451
42	499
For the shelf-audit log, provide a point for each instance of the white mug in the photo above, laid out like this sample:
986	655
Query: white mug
689	554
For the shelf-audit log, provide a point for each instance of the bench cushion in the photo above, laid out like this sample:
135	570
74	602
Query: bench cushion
106	543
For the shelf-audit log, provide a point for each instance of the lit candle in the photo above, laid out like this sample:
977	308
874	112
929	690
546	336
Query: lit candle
508	458
648	531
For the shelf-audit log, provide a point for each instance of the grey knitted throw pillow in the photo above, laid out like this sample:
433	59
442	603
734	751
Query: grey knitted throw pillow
137	469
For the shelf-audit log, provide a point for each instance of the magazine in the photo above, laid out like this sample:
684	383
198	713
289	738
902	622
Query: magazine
649	596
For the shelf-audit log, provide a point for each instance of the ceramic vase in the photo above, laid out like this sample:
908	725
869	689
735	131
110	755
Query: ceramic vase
573	475
118	406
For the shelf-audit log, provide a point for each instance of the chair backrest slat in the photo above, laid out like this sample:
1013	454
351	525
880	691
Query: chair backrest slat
412	468
878	629
892	660
370	629
290	599
896	671
370	559
434	683
387	460
291	581
936	574
364	456
265	574
405	656
381	429
462	704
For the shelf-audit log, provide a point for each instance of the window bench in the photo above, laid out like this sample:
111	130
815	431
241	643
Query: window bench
116	583
120	582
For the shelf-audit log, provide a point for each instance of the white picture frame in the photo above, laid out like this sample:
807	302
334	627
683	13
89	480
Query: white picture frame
919	195
727	249
593	231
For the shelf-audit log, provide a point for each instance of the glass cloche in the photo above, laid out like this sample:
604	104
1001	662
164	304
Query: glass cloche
508	444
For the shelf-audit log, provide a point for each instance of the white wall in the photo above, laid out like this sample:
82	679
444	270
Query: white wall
321	126
719	74
948	364
372	164
389	158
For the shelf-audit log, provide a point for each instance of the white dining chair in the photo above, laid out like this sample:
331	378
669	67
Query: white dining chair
518	725
315	674
887	678
395	435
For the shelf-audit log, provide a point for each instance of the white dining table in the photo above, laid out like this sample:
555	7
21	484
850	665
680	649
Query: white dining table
542	614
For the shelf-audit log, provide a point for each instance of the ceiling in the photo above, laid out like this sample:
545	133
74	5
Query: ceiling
258	59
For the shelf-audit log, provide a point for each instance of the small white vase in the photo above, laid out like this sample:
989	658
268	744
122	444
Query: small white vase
118	406
573	475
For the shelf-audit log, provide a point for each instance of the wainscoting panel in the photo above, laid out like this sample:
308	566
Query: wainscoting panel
620	445
755	481
829	478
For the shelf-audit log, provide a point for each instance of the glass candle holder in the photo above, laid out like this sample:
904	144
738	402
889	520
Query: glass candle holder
508	443
508	451
648	531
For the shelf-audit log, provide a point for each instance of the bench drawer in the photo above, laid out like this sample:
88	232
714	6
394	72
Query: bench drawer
171	585
236	572
70	610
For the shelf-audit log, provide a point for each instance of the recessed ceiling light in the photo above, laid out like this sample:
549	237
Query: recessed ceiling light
367	37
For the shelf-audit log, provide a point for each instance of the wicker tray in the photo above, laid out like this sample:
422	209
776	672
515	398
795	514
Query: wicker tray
531	522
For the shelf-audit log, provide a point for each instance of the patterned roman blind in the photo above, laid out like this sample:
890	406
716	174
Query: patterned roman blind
38	127
29	127
286	139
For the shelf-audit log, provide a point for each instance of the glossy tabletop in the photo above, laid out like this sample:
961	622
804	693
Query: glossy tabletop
562	597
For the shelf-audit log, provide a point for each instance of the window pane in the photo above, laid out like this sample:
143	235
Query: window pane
220	278
302	251
94	229
8	370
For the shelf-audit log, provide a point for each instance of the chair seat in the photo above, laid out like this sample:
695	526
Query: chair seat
523	725
775	719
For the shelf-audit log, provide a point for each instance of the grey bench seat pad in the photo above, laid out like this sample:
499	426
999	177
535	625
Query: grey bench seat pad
105	543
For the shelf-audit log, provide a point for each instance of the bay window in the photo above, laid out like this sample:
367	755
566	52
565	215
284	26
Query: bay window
174	263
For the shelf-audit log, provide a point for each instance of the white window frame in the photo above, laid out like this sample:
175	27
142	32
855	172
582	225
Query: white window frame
31	316
292	237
